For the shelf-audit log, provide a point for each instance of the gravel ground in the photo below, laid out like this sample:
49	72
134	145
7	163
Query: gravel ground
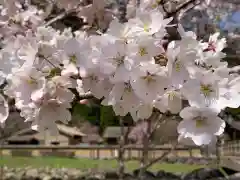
46	173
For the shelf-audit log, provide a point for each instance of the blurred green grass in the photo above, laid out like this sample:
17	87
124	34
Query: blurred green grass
85	164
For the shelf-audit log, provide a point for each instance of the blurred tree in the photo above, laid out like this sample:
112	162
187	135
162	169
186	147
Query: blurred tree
107	117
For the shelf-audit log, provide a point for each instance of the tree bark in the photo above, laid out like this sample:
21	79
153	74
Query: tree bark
121	151
145	151
219	150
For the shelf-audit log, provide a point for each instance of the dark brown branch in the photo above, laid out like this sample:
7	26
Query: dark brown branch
122	10
147	139
162	3
183	6
87	95
48	9
62	15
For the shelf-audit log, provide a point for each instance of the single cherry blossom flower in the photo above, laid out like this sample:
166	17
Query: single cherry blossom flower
201	125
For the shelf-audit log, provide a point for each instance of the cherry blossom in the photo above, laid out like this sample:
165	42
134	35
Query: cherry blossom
126	65
201	125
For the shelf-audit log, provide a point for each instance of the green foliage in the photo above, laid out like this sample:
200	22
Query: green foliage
85	112
233	111
108	117
96	114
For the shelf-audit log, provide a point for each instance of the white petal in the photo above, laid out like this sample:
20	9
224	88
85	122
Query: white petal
69	70
185	140
4	110
220	126
189	112
175	103
203	139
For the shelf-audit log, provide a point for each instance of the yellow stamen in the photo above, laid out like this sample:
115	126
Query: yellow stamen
128	87
142	51
119	60
171	95
146	28
178	66
149	78
206	90
31	80
73	59
200	122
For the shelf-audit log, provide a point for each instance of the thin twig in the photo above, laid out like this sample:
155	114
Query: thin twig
49	8
186	9
162	3
58	17
46	59
159	122
160	158
147	138
62	15
183	6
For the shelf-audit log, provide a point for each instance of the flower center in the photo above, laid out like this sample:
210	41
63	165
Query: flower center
200	122
31	80
177	66
211	47
142	51
127	87
171	95
146	28
206	89
73	59
149	78
119	60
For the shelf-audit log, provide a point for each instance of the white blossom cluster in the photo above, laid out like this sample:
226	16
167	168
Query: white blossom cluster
127	66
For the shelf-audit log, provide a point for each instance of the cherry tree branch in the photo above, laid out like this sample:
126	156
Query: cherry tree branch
60	16
63	15
49	8
87	95
162	3
160	120
160	158
122	10
181	7
79	97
